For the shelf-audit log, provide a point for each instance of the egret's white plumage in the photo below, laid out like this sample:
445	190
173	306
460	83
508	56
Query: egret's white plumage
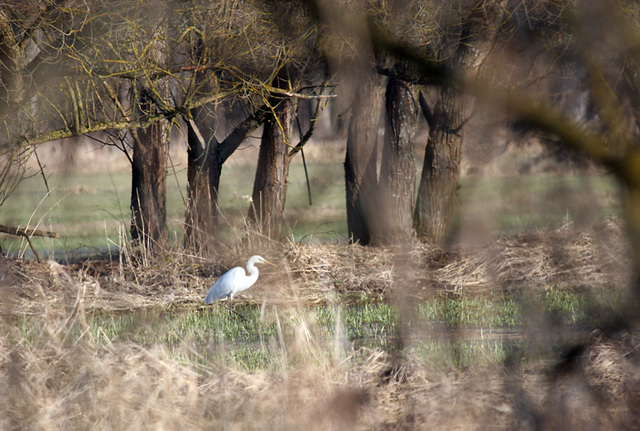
235	280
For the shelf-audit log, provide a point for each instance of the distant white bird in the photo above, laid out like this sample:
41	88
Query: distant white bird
234	281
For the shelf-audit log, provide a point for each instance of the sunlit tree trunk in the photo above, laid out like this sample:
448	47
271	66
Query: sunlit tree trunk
10	57
398	167
270	185
437	193
360	163
148	181
152	96
205	158
441	169
203	182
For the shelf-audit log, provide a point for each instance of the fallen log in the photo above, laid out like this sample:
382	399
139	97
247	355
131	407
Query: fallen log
27	234
20	231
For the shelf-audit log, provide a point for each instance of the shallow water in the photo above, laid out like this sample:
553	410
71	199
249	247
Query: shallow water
267	335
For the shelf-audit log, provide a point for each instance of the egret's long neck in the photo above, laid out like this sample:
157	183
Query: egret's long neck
253	276
253	271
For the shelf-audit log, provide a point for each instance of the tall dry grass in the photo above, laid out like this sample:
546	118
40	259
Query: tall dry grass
55	373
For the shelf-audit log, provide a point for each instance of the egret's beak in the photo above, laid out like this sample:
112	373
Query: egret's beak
267	262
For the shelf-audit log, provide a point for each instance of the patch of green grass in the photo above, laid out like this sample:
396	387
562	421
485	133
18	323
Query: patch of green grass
558	305
532	202
367	321
464	354
214	333
93	210
456	310
580	308
453	330
248	358
251	344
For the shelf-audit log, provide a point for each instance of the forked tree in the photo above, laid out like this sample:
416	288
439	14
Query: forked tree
293	56
380	205
151	97
436	201
205	159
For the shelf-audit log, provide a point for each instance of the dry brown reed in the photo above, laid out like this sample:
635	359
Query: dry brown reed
326	273
57	375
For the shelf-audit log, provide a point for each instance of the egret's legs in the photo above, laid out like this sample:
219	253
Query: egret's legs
232	311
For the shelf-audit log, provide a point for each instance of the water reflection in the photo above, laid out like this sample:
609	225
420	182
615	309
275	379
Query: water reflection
268	335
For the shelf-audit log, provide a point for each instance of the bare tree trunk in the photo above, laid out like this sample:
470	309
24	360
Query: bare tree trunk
203	182
10	57
360	162
270	185
439	182
150	148
205	158
148	182
398	170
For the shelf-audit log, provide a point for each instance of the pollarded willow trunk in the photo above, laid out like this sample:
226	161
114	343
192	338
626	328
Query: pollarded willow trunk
10	58
150	148
148	182
398	169
360	163
270	184
441	169
205	158
203	182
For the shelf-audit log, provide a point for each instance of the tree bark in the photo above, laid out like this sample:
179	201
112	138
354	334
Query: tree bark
10	57
205	158
360	163
440	172
203	182
149	155
398	170
270	185
148	182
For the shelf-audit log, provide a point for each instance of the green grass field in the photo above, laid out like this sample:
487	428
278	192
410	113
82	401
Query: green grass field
91	212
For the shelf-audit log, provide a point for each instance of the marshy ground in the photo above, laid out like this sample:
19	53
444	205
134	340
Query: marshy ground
337	337
508	327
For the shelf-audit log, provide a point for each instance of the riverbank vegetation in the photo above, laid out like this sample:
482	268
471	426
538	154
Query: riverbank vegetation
336	336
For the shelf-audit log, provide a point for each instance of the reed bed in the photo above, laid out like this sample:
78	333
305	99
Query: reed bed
56	373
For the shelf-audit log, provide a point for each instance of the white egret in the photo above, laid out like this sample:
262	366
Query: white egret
234	281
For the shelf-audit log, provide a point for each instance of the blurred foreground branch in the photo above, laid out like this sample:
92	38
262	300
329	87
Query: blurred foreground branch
622	159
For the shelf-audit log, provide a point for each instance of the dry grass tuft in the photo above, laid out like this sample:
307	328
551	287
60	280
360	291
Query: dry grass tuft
598	390
554	257
558	257
331	273
327	270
